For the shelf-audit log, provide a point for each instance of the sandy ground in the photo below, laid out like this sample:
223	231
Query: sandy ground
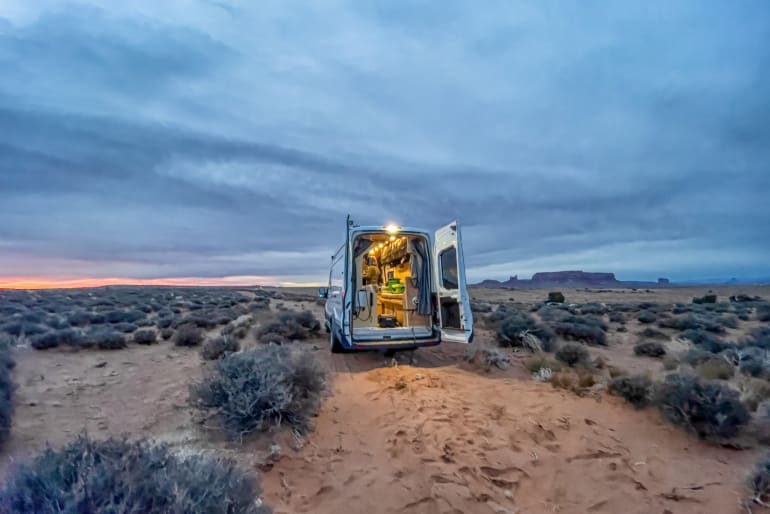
443	435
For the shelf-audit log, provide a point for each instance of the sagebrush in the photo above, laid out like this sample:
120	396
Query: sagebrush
707	409
218	347
118	476
636	389
7	387
262	388
572	354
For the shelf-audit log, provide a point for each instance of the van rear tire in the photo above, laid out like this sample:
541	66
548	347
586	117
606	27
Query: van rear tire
334	342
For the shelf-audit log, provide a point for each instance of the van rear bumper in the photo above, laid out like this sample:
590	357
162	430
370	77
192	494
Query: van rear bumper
406	344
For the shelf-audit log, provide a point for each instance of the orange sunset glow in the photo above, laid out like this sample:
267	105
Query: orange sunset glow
75	283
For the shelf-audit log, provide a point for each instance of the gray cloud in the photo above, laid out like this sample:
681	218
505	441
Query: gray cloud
226	139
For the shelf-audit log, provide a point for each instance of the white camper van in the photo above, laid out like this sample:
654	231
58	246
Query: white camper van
397	288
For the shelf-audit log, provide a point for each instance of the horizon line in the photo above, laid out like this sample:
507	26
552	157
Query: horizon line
40	283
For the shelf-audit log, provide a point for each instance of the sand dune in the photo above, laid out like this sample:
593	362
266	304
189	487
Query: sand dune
444	439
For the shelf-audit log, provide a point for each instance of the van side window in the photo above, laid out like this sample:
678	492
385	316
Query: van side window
336	275
448	262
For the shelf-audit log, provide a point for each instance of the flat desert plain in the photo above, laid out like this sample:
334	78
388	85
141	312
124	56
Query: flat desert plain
444	432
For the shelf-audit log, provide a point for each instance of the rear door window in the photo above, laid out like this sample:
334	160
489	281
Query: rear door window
448	262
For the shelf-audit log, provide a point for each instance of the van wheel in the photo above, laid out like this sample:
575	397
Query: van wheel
335	344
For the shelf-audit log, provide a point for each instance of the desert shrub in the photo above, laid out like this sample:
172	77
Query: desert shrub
489	356
259	304
572	354
304	318
759	483
580	331
124	327
104	339
200	320
19	328
556	297
650	349
651	333
696	356
754	392
289	326
715	369
706	341
670	362
164	322
166	333
575	380
7	388
129	316
188	335
56	338
636	389
215	348
594	308
117	476
79	318
615	371
728	321
709	298
262	388
623	307
145	336
755	368
538	362
693	321
647	317
96	318
763	312
480	307
744	298
622	329
759	337
707	409
516	327
617	317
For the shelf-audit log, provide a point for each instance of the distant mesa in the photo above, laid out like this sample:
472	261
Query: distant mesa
580	279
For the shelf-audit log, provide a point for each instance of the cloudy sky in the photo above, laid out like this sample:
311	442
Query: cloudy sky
226	138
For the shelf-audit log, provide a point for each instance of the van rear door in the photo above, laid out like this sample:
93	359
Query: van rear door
455	314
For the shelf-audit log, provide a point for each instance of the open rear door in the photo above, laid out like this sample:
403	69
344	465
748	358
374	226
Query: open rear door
454	303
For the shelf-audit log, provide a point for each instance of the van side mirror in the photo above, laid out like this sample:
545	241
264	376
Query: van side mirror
323	292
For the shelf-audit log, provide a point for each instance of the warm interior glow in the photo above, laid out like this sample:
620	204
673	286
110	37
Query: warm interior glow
392	229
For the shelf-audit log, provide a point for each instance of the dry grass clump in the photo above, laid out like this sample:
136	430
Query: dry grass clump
577	380
715	369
